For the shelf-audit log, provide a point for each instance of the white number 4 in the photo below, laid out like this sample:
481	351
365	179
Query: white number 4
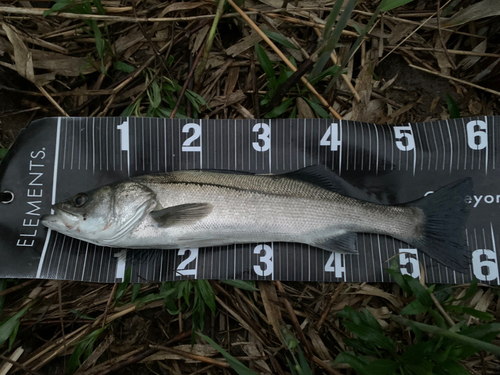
332	137
409	257
335	264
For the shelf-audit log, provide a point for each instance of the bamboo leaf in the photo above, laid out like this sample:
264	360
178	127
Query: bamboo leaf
239	367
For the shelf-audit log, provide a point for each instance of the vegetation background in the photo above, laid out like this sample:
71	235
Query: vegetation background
386	62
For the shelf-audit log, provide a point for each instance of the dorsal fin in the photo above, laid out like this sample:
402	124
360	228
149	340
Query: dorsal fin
321	176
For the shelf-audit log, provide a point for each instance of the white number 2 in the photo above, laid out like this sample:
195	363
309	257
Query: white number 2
485	269
335	264
332	137
264	136
477	139
266	259
187	145
404	133
193	256
409	257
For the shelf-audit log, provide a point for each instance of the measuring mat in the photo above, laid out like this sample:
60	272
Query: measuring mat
54	159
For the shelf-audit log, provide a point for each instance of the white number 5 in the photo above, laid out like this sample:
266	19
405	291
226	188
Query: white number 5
406	259
400	132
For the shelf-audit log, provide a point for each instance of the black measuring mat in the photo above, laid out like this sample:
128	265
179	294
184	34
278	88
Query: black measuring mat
53	159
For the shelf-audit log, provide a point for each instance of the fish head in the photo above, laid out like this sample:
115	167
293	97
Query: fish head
104	215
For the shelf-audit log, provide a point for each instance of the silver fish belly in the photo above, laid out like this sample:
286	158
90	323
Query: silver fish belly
250	208
310	206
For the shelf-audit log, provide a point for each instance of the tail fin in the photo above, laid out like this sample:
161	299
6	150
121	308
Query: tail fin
443	235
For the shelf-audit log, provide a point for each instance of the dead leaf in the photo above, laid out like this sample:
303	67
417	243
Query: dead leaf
303	109
22	56
469	61
482	9
204	350
271	304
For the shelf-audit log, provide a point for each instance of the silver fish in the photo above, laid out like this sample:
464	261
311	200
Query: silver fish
210	208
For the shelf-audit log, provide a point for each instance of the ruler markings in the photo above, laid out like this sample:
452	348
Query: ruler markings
493	138
286	134
60	256
494	247
69	257
65	137
377	152
107	144
370	152
380	258
355	128
77	260
451	145
429	150
487	147
444	145
72	142
435	147
80	147
419	138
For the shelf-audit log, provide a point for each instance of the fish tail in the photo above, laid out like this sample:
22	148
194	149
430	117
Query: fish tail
442	234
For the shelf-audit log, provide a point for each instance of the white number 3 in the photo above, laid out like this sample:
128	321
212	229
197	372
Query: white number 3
266	259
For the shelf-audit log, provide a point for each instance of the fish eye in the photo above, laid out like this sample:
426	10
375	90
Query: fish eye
80	199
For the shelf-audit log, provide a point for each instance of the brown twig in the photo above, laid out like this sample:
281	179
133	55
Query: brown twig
295	321
284	58
329	305
192	356
186	83
438	19
19	366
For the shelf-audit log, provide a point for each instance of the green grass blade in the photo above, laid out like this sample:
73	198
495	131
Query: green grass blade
317	108
207	293
332	17
278	38
333	39
388	5
9	325
453	107
280	109
239	367
241	284
266	63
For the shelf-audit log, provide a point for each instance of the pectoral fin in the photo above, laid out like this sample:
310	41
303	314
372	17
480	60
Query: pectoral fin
345	243
182	214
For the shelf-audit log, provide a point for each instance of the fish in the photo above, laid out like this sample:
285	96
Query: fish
202	208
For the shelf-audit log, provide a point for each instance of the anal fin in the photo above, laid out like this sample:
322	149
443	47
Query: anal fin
344	243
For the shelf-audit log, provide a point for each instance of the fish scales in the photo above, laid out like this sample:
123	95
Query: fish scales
211	208
249	208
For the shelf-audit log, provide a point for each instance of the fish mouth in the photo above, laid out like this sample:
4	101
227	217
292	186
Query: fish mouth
58	219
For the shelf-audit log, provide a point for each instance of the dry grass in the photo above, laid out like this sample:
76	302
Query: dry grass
405	66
